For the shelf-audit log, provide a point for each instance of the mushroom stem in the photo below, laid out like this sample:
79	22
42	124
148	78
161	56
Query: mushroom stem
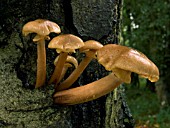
87	92
76	73
41	63
58	68
65	68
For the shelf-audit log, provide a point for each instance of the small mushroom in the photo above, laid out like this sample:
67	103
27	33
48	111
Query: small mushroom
90	47
42	28
70	61
65	68
121	61
64	44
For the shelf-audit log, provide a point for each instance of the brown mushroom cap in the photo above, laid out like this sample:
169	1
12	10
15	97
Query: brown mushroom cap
69	60
91	45
40	26
66	43
38	38
63	44
123	60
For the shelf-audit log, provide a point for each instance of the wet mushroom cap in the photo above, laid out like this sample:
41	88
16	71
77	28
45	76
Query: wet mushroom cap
123	60
40	26
66	43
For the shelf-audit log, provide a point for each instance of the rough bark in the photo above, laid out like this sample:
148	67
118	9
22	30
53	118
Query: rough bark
23	106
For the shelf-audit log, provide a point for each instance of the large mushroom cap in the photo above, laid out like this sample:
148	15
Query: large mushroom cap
66	43
123	60
40	26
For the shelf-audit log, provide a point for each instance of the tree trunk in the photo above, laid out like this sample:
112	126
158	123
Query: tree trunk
23	106
163	85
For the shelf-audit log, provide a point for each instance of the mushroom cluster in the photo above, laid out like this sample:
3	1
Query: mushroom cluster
119	60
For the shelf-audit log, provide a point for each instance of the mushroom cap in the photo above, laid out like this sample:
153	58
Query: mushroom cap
40	26
69	60
122	60
91	45
66	43
38	37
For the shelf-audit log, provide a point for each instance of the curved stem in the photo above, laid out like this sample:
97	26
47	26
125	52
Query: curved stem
87	92
41	63
58	68
76	73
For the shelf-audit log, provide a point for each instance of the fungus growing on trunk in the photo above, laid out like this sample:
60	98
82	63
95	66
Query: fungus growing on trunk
90	47
121	61
64	44
42	28
70	61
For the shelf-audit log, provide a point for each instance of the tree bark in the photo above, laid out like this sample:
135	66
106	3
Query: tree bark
23	106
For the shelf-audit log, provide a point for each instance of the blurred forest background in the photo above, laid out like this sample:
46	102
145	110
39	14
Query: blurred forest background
146	27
